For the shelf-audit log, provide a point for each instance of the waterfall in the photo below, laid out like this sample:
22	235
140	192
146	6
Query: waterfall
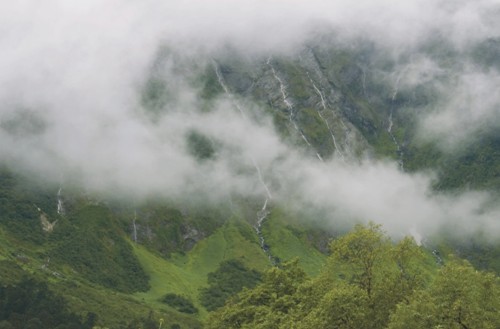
134	235
323	105
391	123
317	70
437	256
264	212
284	94
261	217
226	89
60	205
288	104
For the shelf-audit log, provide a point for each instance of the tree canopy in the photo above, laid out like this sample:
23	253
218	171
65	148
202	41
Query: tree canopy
368	282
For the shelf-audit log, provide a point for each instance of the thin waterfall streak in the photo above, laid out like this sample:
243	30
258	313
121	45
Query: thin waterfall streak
287	103
323	104
259	174
263	213
391	121
226	89
261	217
60	205
135	226
256	166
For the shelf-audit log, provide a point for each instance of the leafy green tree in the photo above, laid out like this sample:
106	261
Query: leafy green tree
228	280
180	303
343	307
30	304
366	260
368	283
267	305
362	252
460	297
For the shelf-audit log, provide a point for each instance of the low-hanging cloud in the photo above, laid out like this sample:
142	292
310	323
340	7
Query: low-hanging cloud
71	75
470	105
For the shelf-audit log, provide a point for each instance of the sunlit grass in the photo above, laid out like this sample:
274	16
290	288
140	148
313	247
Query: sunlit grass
286	244
185	274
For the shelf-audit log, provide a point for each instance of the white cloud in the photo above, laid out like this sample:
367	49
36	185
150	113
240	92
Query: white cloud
77	68
469	106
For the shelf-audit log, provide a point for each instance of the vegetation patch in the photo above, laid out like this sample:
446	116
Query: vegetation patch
230	278
287	242
180	303
382	285
30	304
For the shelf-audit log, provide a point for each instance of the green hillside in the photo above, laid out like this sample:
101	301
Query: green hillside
222	186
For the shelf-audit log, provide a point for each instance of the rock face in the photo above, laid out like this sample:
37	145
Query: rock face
47	226
327	99
320	99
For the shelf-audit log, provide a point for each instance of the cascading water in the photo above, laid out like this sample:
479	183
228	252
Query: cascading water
264	212
220	79
324	108
399	150
310	60
60	204
289	105
134	233
437	256
261	217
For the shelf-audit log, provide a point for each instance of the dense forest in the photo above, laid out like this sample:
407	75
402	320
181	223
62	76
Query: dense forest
30	304
368	282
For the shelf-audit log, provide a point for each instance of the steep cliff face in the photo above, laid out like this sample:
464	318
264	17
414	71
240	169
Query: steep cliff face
357	101
309	107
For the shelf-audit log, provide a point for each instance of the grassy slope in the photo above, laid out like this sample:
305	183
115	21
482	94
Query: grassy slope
114	309
185	274
287	241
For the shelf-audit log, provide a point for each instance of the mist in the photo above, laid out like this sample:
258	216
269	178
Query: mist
71	77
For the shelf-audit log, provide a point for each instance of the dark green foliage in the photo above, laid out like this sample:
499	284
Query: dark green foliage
229	279
165	229
476	165
480	251
30	304
267	305
19	201
180	303
161	228
200	146
460	297
90	243
167	225
369	283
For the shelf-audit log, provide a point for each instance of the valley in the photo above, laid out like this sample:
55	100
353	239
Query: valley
250	171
